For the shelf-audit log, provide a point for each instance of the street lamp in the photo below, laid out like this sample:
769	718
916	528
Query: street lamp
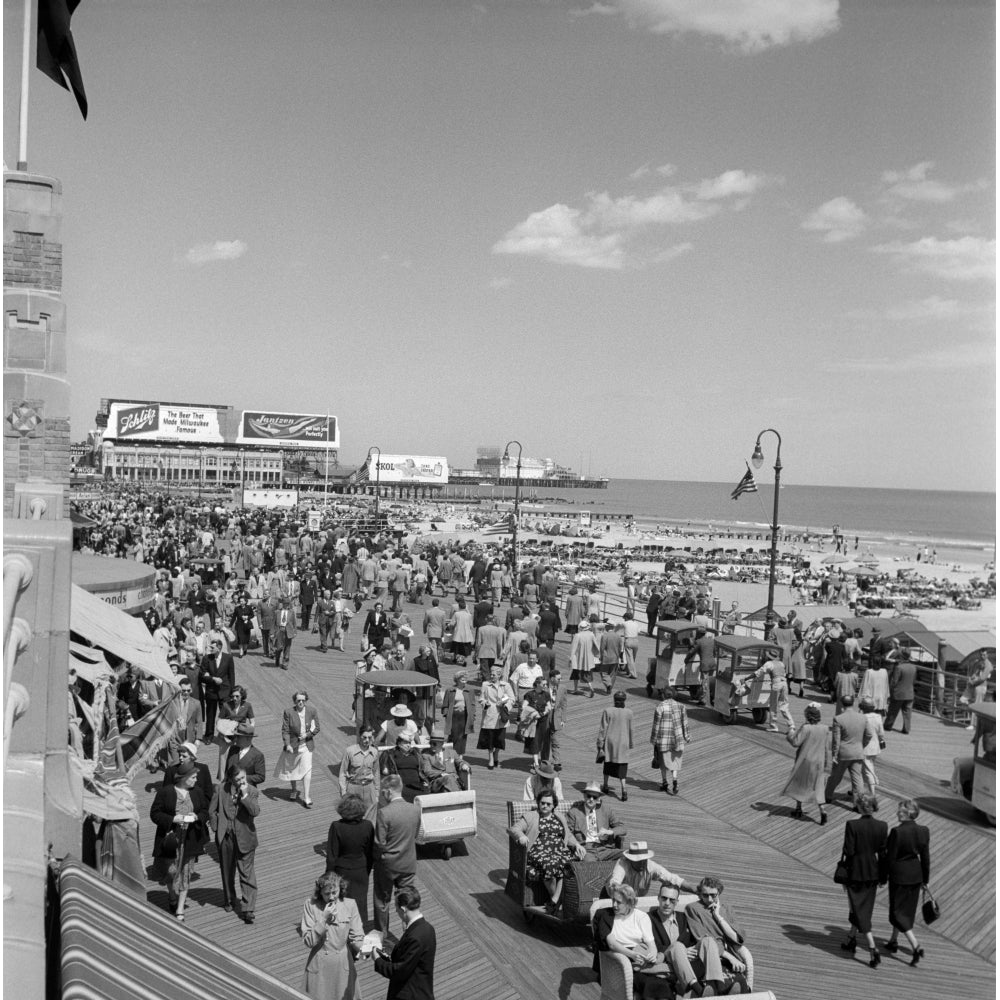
201	468
517	498
758	460
378	478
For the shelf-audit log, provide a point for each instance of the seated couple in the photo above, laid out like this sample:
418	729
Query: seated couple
675	954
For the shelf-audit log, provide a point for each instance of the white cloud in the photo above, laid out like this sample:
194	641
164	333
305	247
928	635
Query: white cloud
838	219
746	25
595	8
914	185
500	283
951	358
932	308
604	233
206	253
969	258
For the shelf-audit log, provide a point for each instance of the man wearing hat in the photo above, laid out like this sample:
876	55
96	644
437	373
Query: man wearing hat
325	613
218	676
360	772
544	778
596	826
404	761
244	753
637	868
400	721
434	764
232	817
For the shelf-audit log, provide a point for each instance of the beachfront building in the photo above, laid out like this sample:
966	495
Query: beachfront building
208	446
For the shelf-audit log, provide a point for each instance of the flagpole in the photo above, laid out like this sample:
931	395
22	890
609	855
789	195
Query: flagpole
22	125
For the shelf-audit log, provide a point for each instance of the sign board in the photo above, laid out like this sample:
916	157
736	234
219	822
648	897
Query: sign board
314	520
163	422
288	430
270	498
432	470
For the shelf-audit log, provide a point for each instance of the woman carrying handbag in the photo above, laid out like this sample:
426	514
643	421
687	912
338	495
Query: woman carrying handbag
908	858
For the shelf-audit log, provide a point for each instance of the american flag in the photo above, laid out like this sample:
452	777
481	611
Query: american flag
746	485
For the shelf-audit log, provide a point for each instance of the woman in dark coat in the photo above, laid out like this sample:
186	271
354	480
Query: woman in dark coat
180	813
865	841
908	862
376	629
350	847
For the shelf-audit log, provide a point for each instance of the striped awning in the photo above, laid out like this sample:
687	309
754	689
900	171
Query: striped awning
115	947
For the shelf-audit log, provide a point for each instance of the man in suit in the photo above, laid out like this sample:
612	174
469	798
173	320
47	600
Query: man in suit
190	727
490	639
395	847
246	755
851	733
218	675
686	955
710	918
595	825
551	749
267	610
284	633
410	967
435	763
434	624
901	679
232	817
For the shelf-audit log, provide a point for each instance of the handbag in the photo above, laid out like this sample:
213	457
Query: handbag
599	759
881	743
840	872
657	758
930	909
504	715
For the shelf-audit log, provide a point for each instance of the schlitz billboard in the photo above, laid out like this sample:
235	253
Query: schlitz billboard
163	422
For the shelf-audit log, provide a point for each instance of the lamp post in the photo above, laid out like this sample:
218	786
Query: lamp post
517	498
201	469
378	478
758	460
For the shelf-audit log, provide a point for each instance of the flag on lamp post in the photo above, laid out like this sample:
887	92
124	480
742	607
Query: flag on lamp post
56	54
746	485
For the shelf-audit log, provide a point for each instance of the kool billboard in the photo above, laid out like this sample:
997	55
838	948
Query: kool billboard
288	430
430	469
163	422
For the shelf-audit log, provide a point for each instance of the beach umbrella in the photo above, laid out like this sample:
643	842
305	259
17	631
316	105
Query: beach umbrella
865	571
834	559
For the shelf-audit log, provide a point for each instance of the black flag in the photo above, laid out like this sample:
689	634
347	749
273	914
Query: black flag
56	56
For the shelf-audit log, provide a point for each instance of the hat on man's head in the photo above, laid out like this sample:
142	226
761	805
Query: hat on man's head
190	748
387	643
584	626
593	788
184	768
400	712
437	735
638	850
244	729
545	770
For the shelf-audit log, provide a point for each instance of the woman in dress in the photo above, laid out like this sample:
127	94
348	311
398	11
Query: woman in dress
350	850
180	812
299	726
614	740
494	696
550	845
459	711
231	713
376	628
535	708
875	688
331	929
864	855
669	736
463	633
787	635
583	653
812	759
908	861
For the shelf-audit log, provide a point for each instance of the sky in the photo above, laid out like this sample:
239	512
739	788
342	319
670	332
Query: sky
626	233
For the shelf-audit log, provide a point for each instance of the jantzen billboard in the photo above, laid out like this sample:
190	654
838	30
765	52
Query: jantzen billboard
162	422
430	469
289	430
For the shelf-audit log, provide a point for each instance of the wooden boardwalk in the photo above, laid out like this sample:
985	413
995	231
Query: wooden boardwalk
729	820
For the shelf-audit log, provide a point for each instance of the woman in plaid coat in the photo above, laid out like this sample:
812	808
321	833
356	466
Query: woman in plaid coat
669	735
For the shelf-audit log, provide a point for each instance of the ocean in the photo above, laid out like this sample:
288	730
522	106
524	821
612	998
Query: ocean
924	516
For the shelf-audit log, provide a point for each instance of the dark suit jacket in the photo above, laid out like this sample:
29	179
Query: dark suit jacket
410	968
576	820
225	669
908	854
252	763
162	813
865	841
291	731
661	936
396	830
225	815
901	681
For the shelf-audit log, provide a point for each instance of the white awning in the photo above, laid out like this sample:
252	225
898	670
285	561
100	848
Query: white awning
126	637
